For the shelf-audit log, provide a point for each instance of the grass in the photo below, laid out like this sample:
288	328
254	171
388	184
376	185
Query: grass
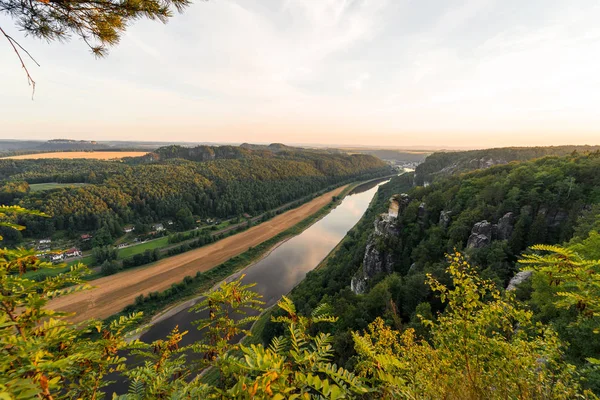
142	247
156	301
39	187
47	272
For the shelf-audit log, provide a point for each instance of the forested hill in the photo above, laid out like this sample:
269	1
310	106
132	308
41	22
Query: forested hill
446	163
493	215
203	153
245	150
116	193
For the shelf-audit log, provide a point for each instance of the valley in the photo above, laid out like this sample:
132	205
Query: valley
111	294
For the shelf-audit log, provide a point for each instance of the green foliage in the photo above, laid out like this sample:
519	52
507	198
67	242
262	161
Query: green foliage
577	279
109	267
440	164
105	253
98	23
42	355
482	347
174	189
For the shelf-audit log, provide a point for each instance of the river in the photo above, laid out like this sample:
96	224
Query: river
286	266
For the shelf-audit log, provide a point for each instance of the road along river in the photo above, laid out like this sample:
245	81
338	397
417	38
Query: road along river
283	268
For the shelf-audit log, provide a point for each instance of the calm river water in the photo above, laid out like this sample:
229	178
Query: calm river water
286	266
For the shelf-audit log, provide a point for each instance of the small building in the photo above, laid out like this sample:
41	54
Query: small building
45	241
122	245
158	227
246	215
72	252
56	257
169	222
85	237
129	229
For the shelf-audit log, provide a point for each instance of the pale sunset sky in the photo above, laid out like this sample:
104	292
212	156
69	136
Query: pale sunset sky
474	73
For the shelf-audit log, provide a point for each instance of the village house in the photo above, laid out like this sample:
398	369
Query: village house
246	215
158	227
56	257
86	237
45	241
122	245
72	252
129	229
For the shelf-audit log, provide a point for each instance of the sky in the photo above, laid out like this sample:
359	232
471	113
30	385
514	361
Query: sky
439	73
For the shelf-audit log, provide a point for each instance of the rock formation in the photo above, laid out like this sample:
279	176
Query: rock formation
378	260
481	235
518	279
504	228
445	219
484	232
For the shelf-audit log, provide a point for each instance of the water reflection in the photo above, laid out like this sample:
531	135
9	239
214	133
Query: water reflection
287	265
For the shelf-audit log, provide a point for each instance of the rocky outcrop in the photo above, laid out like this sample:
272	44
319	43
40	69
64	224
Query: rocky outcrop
481	235
504	228
377	259
444	219
422	213
518	279
556	218
485	162
484	232
398	203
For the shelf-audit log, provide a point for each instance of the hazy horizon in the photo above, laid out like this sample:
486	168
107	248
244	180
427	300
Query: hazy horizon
462	74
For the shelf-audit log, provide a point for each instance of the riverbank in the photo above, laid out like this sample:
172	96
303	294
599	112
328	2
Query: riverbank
256	330
112	294
232	269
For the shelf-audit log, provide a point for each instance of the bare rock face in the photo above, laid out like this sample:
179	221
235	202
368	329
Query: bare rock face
422	213
556	218
518	279
481	235
445	219
504	228
377	260
483	232
485	162
398	203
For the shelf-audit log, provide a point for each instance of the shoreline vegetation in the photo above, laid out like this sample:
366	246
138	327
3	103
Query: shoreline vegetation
258	326
193	240
158	306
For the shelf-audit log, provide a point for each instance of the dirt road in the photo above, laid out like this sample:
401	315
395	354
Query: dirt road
112	293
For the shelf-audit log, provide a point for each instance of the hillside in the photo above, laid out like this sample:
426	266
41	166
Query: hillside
447	163
492	215
217	182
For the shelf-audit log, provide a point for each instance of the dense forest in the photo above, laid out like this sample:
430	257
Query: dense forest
174	183
491	215
445	163
485	345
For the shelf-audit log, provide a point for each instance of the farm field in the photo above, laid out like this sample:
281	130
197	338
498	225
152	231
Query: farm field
38	187
140	248
40	274
97	155
112	293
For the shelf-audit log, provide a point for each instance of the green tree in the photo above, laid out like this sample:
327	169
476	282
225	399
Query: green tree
42	355
102	237
99	23
482	347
